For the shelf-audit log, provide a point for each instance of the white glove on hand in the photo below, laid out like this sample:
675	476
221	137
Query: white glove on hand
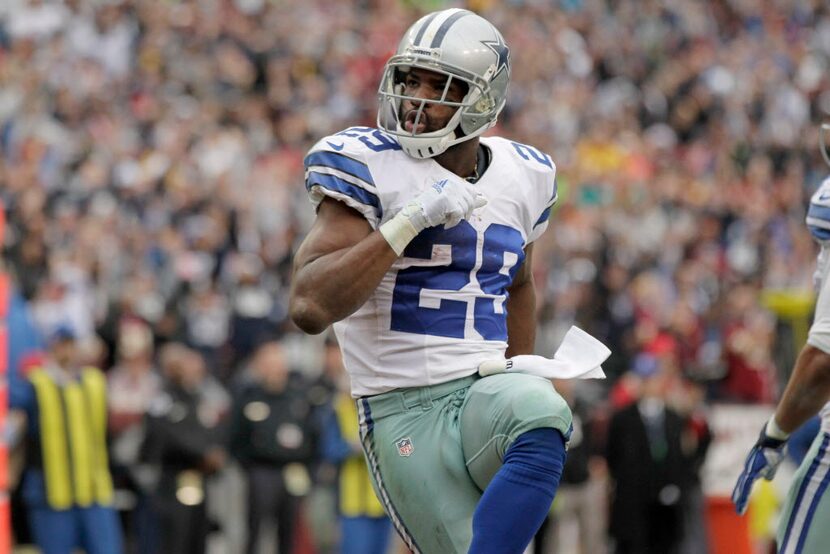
447	201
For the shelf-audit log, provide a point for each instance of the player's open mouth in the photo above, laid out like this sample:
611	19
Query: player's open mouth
409	123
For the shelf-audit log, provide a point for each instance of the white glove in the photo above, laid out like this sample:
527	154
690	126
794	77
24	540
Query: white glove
447	201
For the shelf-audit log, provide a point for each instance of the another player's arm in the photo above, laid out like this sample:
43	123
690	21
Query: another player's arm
521	310
337	267
809	386
807	391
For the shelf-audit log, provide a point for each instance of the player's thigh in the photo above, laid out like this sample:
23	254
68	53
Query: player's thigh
498	409
426	490
803	526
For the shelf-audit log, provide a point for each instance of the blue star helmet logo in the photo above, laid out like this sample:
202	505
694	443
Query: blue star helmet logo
501	50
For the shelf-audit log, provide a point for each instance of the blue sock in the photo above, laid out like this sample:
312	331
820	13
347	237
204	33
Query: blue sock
518	498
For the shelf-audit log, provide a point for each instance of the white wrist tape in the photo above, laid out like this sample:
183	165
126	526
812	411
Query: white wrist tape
774	431
399	231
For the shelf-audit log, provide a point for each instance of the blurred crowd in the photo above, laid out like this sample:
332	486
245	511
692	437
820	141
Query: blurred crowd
151	174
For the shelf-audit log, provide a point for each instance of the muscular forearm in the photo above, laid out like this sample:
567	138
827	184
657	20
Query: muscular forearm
335	285
807	391
521	319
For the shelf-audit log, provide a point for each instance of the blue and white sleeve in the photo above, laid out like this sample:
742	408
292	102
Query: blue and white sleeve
342	175
818	215
541	223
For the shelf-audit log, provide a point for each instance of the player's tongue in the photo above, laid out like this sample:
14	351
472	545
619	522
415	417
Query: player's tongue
409	124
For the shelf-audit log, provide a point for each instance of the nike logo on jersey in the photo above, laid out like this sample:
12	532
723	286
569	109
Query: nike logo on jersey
824	195
337	147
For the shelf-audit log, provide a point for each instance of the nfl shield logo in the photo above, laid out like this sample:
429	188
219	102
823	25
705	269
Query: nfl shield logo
405	447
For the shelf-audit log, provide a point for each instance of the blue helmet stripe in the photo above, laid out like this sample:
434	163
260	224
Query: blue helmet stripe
341	162
445	26
423	29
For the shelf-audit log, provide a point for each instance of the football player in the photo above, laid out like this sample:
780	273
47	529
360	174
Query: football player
420	256
803	527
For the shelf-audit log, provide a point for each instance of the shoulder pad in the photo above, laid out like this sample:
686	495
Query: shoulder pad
528	156
818	215
338	167
538	171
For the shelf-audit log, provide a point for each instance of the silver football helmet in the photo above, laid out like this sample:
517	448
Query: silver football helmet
463	46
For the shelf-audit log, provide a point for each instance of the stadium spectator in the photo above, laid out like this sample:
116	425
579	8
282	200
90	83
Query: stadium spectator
274	435
133	384
184	439
67	486
150	143
647	466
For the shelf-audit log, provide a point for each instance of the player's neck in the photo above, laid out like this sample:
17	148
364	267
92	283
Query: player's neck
461	158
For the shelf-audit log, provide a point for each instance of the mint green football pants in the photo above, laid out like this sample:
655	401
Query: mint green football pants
804	527
431	451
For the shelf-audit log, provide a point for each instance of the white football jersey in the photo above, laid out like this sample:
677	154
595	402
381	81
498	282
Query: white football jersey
818	222
440	309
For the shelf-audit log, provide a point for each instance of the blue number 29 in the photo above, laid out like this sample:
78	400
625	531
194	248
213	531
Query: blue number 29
501	257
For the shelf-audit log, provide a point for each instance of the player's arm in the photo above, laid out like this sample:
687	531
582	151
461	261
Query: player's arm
809	386
807	391
342	260
521	310
337	267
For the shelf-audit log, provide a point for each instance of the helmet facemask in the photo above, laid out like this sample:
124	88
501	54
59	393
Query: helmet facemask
474	114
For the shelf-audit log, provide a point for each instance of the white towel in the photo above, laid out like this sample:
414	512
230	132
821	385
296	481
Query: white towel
580	356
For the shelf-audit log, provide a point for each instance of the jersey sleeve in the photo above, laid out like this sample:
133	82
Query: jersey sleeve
819	335
818	214
545	205
336	167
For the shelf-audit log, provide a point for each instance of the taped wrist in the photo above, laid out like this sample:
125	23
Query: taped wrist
401	229
774	431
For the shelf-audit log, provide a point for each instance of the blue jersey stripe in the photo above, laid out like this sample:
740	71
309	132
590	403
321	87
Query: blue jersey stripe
800	496
546	214
341	162
542	218
819	233
805	528
336	184
819	212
